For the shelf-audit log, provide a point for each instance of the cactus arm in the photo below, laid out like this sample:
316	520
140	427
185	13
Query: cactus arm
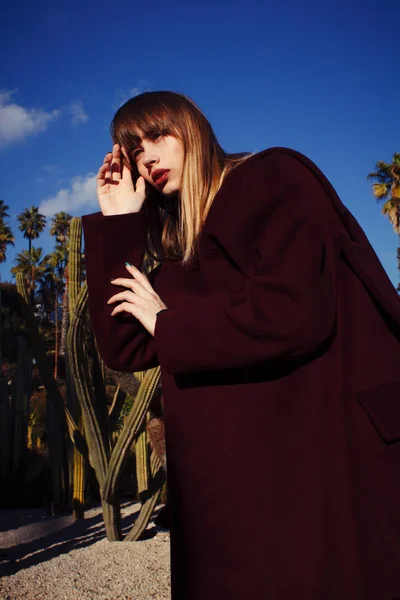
80	370
130	431
149	501
116	407
78	497
142	469
74	264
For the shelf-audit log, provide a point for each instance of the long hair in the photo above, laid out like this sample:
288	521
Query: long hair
175	223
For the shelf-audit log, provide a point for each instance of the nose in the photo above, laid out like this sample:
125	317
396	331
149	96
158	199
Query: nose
150	159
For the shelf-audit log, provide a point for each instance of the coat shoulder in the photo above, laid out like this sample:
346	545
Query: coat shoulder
263	179
265	172
271	161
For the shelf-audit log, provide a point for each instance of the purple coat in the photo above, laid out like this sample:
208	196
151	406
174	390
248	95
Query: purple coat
280	363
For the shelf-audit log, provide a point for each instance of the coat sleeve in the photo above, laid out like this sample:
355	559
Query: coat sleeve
110	241
266	220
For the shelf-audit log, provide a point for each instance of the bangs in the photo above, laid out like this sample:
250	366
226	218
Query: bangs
143	116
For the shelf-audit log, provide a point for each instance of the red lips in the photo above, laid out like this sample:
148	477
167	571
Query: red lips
159	176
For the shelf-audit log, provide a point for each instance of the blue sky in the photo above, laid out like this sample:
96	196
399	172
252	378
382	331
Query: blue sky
320	77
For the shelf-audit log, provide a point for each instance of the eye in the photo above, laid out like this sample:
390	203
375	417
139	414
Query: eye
135	152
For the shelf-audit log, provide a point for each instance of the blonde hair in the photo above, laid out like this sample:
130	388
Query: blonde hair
175	223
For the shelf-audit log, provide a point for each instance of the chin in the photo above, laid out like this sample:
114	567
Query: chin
169	190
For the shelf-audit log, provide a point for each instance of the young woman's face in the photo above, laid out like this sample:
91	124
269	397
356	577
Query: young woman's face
159	159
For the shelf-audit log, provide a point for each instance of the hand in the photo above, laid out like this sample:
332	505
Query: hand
140	300
115	190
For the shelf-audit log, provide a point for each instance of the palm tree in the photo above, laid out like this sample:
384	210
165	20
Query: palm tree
60	225
32	266
54	282
6	239
32	223
6	236
3	210
387	187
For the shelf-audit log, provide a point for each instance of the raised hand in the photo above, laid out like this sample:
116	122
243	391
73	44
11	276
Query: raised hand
139	299
115	190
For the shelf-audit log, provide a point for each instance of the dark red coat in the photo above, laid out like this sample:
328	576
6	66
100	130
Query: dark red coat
281	377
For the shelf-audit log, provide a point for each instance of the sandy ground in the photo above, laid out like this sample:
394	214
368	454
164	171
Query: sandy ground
55	558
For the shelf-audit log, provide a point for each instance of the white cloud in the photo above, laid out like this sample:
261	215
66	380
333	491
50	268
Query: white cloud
81	195
17	122
122	96
77	113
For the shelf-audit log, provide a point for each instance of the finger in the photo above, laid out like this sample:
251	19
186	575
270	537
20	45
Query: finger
106	162
116	163
135	286
141	186
121	296
142	279
132	309
126	166
132	284
102	174
103	169
125	155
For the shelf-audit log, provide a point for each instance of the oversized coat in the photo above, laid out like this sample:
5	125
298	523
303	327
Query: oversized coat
280	363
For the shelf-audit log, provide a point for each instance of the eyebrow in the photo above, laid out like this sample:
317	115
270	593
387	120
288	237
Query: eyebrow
136	139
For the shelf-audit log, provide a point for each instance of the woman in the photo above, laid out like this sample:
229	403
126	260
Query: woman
277	331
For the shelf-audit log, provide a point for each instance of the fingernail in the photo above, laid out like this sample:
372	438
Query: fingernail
128	264
113	279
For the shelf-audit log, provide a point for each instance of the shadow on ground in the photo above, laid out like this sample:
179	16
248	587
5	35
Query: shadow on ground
65	535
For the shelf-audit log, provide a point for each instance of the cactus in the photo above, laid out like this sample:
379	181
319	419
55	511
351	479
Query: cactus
74	264
78	460
132	427
99	449
93	438
142	470
108	465
115	408
149	499
78	482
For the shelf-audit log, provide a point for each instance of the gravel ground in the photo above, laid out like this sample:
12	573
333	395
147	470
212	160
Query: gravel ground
55	558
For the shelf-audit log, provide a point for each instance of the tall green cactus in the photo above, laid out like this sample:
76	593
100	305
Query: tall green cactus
108	462
78	460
